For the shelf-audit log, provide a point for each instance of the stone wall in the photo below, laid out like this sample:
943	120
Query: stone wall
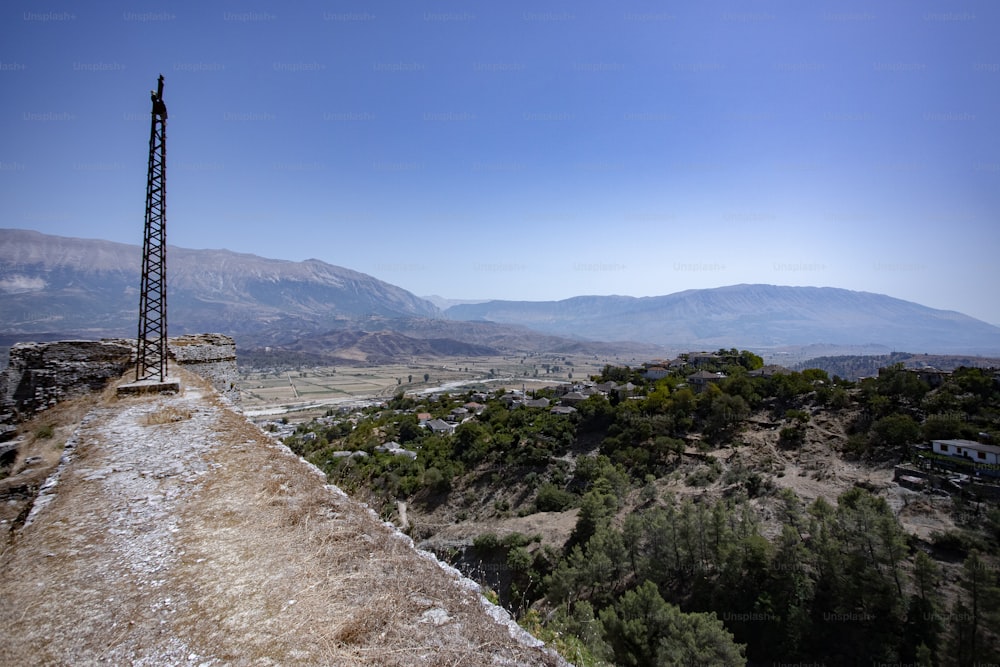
212	356
40	375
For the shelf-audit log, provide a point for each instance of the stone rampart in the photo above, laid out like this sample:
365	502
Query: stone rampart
212	356
39	375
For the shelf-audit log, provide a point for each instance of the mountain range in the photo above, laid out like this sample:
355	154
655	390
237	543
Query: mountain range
752	316
57	287
57	283
54	286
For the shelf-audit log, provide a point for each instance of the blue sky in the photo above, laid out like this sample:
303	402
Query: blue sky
527	150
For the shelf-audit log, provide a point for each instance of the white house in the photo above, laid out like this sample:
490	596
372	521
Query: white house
970	449
396	449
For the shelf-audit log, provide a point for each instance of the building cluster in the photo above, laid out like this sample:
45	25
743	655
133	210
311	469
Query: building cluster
701	368
564	400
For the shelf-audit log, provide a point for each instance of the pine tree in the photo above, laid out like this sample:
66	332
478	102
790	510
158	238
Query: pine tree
643	629
923	615
974	614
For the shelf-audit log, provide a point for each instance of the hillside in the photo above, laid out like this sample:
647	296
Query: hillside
178	533
375	347
753	316
852	366
383	340
82	286
713	508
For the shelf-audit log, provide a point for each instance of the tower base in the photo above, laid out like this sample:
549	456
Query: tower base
167	385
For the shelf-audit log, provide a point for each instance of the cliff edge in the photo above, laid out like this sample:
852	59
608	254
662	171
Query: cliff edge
174	532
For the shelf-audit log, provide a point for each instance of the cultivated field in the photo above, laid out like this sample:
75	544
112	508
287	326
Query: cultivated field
302	393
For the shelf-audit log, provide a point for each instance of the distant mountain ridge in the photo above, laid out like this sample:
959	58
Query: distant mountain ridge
54	287
50	283
444	303
66	287
750	316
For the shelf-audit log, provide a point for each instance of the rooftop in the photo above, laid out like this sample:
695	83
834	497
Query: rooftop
970	444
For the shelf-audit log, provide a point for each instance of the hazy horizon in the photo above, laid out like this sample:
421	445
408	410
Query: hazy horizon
528	152
444	302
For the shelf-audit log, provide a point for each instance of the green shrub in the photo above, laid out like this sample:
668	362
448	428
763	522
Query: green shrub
551	498
518	559
704	475
800	416
516	539
486	541
791	437
952	540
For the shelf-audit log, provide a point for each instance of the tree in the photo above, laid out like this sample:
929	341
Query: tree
427	376
815	375
725	414
838	399
895	431
436	480
750	361
606	562
471	441
975	611
743	386
596	510
408	429
868	604
699	639
643	629
900	386
942	427
791	591
923	616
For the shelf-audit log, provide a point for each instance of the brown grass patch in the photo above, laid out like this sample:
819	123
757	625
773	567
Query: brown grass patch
166	415
370	619
43	439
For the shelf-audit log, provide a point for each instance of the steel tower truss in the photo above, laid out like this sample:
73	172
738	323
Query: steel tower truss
152	342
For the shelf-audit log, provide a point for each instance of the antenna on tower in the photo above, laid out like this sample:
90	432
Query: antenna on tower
152	341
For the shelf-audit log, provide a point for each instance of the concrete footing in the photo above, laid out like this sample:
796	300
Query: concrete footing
149	387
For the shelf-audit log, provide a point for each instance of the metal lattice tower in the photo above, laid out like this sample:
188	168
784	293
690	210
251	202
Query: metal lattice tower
152	343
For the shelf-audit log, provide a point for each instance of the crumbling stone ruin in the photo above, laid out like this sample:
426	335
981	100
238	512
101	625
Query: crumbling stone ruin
212	356
40	375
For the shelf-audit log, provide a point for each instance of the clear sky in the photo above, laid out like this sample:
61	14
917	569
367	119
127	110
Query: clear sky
527	150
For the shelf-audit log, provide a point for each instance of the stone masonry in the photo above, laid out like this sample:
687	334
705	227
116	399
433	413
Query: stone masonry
40	375
212	356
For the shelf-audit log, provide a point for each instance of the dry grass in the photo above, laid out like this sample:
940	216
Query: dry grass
167	415
42	440
263	564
